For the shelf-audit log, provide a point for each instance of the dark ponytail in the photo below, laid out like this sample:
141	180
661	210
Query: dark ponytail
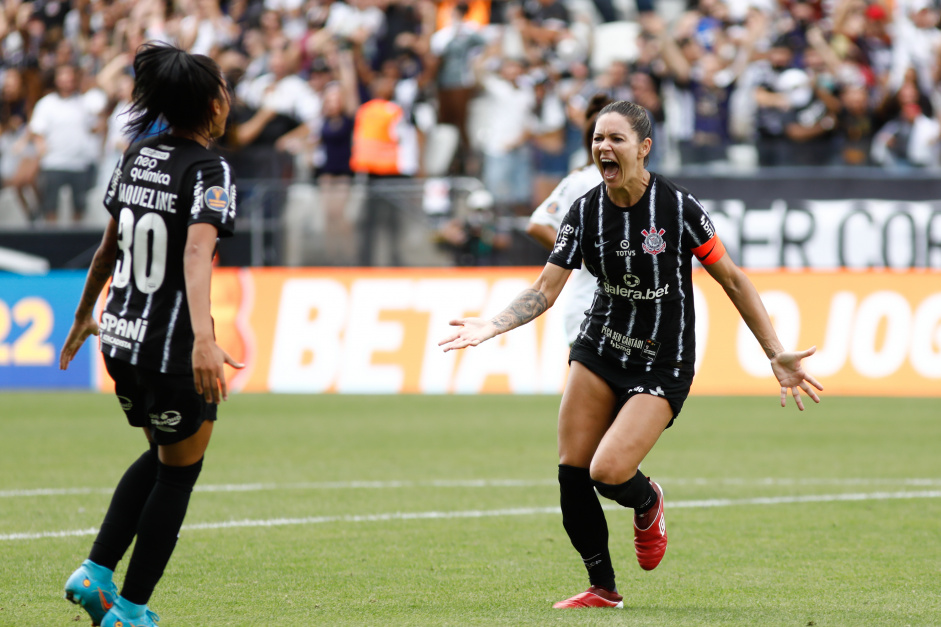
173	88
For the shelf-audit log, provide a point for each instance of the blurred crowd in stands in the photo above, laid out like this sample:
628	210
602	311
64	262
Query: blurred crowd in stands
325	89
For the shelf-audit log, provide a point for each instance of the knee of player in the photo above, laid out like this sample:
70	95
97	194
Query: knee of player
610	470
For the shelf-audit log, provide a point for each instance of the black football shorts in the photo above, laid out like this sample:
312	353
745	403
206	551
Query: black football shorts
626	382
167	404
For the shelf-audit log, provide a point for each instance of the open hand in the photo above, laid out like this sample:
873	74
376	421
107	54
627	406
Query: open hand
787	369
208	373
79	332
472	332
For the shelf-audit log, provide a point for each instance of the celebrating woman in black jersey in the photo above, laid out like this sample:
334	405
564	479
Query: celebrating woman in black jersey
170	198
632	362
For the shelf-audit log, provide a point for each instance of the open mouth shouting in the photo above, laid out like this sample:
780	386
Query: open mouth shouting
609	169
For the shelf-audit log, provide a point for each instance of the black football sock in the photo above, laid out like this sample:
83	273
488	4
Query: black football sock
120	523
636	493
158	528
584	521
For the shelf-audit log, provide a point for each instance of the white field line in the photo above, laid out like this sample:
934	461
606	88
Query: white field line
487	483
519	511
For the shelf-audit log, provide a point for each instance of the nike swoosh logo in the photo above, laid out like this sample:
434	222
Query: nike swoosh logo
104	601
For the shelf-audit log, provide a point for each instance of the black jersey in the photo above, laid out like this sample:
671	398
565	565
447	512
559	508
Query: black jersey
161	186
642	312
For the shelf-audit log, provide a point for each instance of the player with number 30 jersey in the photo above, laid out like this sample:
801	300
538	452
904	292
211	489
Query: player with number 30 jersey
170	200
162	186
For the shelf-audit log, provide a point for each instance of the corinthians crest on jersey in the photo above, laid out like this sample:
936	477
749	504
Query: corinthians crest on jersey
653	241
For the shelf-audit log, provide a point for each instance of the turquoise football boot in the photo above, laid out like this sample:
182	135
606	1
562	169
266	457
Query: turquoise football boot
91	587
127	614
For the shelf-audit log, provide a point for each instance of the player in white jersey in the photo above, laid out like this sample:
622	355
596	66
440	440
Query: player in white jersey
546	219
544	227
632	362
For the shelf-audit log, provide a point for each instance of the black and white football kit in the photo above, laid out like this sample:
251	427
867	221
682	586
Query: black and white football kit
161	186
638	334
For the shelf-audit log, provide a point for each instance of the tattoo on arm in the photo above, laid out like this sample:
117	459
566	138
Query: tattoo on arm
98	274
770	353
525	307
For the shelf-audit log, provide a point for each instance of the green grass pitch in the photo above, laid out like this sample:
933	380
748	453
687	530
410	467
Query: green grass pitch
341	510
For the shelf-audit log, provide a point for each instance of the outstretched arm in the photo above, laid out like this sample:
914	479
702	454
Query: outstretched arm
786	365
84	325
208	358
529	305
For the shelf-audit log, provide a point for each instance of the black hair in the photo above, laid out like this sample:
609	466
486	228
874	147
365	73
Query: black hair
595	105
175	87
636	115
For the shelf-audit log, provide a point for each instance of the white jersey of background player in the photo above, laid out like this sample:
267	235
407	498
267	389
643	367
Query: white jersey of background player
544	225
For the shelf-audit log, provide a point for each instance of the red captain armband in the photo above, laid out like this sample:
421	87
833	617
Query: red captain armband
710	252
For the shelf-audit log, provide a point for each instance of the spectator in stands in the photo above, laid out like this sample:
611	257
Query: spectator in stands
453	49
644	92
909	91
573	82
547	140
789	112
854	127
269	113
917	43
707	81
333	152
207	29
19	164
911	139
357	21
117	82
875	44
408	25
545	24
63	126
612	82
385	148
839	46
813	128
507	168
281	89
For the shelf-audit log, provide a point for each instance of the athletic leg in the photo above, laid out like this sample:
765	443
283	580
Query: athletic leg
614	470
92	585
120	523
584	416
635	430
162	515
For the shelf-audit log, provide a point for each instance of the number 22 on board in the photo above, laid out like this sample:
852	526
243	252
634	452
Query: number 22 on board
31	348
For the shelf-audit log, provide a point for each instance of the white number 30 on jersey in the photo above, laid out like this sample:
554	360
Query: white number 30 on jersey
148	259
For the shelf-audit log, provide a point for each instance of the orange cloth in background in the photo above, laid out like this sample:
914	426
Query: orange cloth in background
477	11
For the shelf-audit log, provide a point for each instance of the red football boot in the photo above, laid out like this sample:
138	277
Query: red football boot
593	597
650	543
